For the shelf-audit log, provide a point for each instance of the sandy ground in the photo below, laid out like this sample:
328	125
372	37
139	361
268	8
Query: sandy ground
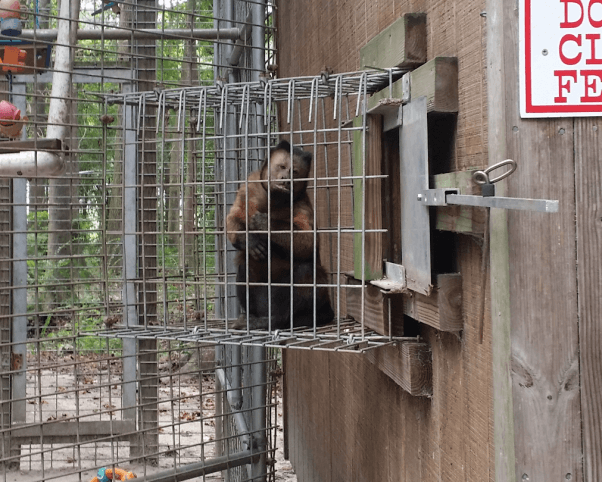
187	424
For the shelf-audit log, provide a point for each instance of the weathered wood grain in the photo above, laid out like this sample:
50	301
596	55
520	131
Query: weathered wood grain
401	44
376	308
408	364
442	309
588	180
437	80
543	288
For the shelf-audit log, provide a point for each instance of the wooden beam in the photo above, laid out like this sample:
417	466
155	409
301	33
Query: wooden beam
401	44
41	144
67	432
408	364
376	308
369	193
442	309
459	219
437	80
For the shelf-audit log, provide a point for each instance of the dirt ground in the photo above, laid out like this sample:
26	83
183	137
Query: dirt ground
186	420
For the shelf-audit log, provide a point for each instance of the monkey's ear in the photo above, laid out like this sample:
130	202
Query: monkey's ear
284	145
306	157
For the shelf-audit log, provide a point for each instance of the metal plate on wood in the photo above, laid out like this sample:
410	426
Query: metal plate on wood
415	226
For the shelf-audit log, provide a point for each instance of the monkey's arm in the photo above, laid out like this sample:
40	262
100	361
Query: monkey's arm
236	222
302	238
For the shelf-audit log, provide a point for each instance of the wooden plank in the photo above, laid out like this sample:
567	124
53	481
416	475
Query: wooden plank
401	44
42	144
409	365
376	307
459	219
66	432
442	309
437	80
545	338
503	411
588	151
369	193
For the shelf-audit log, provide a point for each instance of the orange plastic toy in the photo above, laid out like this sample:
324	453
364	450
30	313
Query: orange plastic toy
13	58
104	475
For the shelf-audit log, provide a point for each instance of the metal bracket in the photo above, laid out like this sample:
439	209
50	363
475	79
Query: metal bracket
394	280
446	197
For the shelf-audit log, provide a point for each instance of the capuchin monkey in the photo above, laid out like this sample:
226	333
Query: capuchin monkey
250	210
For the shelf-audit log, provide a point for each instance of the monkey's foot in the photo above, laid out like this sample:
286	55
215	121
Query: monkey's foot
255	322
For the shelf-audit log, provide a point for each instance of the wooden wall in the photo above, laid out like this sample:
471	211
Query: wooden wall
346	420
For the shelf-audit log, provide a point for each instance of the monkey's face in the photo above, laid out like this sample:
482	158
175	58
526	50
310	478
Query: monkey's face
282	170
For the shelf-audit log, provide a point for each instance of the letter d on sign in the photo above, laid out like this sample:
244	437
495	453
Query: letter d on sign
575	23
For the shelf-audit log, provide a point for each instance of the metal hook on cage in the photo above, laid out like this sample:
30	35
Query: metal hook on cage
291	96
363	81
245	93
223	102
198	120
268	105
180	109
314	82
161	117
338	94
140	113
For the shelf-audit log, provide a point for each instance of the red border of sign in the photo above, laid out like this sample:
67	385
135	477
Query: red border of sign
546	109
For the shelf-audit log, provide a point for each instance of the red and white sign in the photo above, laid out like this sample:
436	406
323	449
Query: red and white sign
561	58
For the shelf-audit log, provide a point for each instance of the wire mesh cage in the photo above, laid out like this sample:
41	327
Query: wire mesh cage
128	339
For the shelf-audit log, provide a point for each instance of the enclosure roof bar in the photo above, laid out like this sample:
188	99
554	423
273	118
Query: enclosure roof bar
115	33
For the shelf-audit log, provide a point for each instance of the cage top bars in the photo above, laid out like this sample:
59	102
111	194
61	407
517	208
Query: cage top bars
265	90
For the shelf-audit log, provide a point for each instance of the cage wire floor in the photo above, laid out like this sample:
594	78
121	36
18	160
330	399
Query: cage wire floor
72	391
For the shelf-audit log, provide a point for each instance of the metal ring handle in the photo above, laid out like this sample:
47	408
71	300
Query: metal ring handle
482	177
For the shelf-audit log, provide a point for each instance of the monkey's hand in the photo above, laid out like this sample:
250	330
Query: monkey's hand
259	222
258	243
258	246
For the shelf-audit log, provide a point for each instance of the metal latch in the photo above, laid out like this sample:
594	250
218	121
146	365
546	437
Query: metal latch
452	196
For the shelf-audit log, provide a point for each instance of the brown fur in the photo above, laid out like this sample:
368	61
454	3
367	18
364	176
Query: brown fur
247	219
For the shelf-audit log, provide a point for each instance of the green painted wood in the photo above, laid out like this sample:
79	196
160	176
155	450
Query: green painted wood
459	219
401	44
371	249
437	80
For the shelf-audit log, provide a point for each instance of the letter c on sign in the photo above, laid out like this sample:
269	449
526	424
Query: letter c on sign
595	23
570	38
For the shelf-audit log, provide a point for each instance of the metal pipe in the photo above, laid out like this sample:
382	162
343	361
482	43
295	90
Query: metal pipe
116	33
31	164
58	110
240	45
199	469
239	419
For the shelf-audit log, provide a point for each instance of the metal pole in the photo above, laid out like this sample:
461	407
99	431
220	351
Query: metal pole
116	33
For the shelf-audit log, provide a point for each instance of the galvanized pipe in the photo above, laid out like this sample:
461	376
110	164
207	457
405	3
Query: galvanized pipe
31	164
116	33
59	108
239	418
200	469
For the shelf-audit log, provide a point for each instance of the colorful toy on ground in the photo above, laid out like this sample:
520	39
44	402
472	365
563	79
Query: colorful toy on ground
106	475
11	14
11	123
14	58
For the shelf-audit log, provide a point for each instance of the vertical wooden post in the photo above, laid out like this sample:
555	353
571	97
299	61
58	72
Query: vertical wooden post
503	413
369	193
